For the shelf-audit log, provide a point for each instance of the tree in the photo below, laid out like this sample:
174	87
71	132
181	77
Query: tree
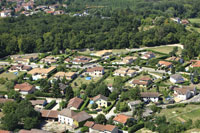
14	95
69	93
135	93
100	119
94	106
30	97
10	122
9	85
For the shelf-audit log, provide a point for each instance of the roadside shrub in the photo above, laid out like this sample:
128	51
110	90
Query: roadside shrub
50	105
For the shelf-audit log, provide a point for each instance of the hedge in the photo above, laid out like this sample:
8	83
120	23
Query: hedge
50	105
136	127
91	112
110	107
42	94
176	105
85	104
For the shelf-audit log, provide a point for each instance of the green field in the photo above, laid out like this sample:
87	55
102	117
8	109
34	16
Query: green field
182	113
165	49
194	20
10	75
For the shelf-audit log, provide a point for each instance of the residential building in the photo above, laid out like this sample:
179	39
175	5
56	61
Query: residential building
24	88
121	119
4	100
150	96
110	87
81	60
67	75
40	73
20	67
33	131
5	13
128	60
103	53
176	59
39	104
5	131
142	82
100	100
49	60
164	64
147	55
24	59
185	92
75	103
51	115
176	79
99	128
125	72
73	119
95	71
195	63
133	104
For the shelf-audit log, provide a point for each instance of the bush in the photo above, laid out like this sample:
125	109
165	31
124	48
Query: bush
85	129
176	105
136	127
50	105
85	104
110	107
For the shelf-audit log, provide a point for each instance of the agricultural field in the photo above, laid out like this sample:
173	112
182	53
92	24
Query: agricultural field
182	114
194	20
165	49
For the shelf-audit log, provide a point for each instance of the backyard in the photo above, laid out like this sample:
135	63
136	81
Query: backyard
182	114
164	49
10	75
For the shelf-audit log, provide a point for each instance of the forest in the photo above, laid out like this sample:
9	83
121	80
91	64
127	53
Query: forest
119	28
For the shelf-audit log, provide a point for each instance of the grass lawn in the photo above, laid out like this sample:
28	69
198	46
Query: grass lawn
195	130
194	20
10	75
181	114
191	28
109	80
80	81
165	49
144	130
3	88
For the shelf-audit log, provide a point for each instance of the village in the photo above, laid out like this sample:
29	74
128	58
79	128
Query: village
102	83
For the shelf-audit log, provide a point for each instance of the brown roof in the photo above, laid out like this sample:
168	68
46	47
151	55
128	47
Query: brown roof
196	63
67	112
165	63
145	78
66	74
121	118
37	102
41	70
109	127
49	113
32	131
82	116
98	127
24	86
149	94
3	100
89	124
139	82
95	69
99	97
181	91
75	102
5	131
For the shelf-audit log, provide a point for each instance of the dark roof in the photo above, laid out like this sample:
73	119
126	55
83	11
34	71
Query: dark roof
37	102
82	116
49	113
67	112
149	94
95	69
99	97
75	102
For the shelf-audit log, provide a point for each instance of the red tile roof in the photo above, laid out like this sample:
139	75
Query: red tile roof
75	102
89	124
24	86
121	118
49	113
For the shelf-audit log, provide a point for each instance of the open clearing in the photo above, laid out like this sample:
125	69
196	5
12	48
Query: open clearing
10	75
182	113
165	49
194	20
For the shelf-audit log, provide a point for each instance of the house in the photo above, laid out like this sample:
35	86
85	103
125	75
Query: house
5	131
100	100
49	60
41	73
20	67
142	82
62	87
24	88
176	79
99	128
110	87
176	59
125	72
32	131
195	63
185	21
147	55
164	64
89	124
81	60
133	104
5	13
73	119
67	75
121	119
51	115
40	104
150	96
185	92
75	103
24	59
4	100
95	71
128	60
103	53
